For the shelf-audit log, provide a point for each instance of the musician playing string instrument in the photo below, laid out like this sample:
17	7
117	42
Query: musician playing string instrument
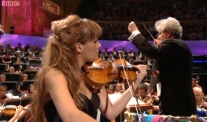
119	88
61	92
110	90
143	94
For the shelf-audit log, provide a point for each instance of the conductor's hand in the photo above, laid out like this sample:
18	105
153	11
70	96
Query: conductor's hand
141	74
132	27
157	41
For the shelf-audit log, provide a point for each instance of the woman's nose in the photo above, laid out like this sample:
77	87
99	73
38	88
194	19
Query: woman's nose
99	45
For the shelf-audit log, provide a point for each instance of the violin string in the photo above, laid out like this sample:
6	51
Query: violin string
132	88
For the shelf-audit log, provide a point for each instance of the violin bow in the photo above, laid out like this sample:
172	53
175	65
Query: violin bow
141	118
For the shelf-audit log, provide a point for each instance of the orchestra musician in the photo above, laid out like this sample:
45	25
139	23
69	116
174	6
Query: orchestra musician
61	92
143	94
110	90
153	93
119	88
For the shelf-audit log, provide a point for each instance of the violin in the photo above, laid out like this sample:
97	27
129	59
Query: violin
100	73
126	71
9	110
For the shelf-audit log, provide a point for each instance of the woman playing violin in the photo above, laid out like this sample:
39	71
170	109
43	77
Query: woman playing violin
61	93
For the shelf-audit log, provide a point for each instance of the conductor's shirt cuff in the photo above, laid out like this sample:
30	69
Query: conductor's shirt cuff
136	32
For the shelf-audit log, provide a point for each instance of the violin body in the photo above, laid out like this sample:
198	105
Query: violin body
100	73
8	110
126	71
109	68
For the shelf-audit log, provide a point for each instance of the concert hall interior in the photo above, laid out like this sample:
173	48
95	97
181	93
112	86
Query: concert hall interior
26	29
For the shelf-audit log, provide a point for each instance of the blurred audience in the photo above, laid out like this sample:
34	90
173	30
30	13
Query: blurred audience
114	19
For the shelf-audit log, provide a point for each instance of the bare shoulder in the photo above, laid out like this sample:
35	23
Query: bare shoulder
52	72
54	75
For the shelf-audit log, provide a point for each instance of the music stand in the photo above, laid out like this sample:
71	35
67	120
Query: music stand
16	66
25	84
11	85
13	77
31	73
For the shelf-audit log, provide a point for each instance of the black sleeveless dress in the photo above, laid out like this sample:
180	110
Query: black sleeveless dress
91	107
